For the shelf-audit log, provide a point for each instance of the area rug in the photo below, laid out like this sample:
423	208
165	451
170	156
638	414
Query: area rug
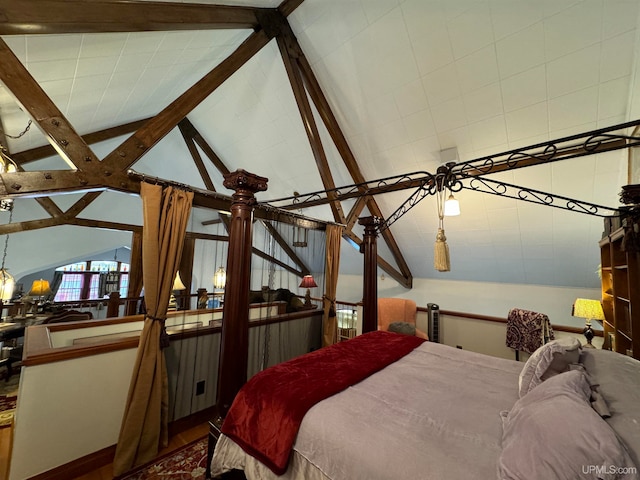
189	462
7	409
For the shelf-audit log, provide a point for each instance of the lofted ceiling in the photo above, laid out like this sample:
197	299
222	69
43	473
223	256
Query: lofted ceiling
404	80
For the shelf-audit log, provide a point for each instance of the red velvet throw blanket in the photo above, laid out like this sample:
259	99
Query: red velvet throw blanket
266	414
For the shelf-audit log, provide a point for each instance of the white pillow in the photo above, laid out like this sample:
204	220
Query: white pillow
550	359
553	433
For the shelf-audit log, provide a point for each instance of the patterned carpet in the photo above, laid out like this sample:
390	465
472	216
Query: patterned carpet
7	409
189	462
8	397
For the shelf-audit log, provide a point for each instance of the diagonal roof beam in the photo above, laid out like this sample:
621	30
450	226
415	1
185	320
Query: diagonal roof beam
285	246
45	151
287	7
111	172
331	123
309	123
132	149
195	155
80	16
46	114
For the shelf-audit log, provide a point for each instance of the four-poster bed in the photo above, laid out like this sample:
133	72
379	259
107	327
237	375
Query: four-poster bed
436	412
480	420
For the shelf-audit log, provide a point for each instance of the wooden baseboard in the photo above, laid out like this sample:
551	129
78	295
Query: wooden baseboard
79	466
103	457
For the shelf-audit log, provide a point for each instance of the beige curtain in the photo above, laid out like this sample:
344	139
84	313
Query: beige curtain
144	423
329	321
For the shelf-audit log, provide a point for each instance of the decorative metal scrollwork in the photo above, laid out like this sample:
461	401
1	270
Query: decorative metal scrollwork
503	189
471	175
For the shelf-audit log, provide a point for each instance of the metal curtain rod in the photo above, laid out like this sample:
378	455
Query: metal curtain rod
263	210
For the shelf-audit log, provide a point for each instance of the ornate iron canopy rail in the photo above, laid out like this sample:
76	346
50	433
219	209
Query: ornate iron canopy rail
471	175
503	189
589	143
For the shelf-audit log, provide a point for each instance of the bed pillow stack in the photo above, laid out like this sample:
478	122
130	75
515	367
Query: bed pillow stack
553	433
547	361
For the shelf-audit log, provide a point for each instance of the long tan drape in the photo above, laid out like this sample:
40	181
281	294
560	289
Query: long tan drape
329	321
145	420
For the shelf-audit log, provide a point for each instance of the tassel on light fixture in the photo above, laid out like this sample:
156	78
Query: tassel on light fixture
441	259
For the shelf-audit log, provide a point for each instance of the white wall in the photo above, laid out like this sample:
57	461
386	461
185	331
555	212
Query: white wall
60	403
493	299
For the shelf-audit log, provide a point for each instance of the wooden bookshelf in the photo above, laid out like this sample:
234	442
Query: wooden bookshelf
620	291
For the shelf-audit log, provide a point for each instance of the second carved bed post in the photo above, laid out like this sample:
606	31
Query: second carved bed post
370	287
234	341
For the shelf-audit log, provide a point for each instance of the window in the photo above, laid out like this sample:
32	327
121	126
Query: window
70	288
92	280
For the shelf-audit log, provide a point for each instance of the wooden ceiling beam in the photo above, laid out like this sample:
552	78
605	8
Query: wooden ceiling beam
285	246
195	156
50	206
28	93
269	258
340	141
87	222
193	133
97	16
287	7
382	263
355	212
45	151
132	149
15	227
82	203
309	123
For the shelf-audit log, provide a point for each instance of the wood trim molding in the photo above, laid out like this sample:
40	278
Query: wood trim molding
487	318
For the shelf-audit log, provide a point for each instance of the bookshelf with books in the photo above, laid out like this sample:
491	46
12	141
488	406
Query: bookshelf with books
620	292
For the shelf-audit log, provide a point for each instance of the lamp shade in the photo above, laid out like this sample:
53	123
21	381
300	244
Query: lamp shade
6	285
177	283
588	308
308	282
451	207
40	288
220	278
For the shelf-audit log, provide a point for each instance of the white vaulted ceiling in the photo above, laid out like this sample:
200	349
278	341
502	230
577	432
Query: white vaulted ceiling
405	79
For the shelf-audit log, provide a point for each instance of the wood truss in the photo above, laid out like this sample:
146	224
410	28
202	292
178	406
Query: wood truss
92	175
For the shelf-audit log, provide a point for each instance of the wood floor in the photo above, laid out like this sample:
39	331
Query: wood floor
105	472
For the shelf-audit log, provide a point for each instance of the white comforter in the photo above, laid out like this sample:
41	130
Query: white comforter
434	414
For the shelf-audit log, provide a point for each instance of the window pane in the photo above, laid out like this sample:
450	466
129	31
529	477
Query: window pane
94	287
70	288
124	284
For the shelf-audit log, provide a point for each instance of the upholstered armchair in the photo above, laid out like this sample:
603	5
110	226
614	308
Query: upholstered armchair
398	311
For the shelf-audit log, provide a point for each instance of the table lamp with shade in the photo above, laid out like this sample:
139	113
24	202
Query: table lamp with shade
177	285
308	282
588	309
40	289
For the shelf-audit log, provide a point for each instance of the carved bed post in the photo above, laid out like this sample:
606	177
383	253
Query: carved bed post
370	288
234	346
